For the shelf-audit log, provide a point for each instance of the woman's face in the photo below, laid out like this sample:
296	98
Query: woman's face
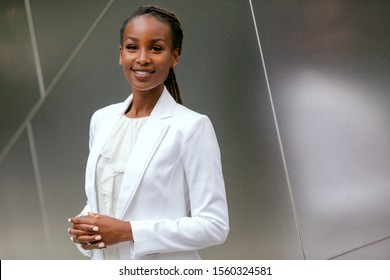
147	54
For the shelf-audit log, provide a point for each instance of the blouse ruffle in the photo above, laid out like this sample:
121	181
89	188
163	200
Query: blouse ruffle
112	164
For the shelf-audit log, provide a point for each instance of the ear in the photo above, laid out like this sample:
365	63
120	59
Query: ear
120	55
175	57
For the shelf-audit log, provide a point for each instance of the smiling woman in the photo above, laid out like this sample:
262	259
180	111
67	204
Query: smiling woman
147	54
170	35
154	181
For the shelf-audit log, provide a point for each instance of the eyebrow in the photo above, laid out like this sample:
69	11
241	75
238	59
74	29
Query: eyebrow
153	40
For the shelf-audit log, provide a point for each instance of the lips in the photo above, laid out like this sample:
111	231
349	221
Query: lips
142	71
142	74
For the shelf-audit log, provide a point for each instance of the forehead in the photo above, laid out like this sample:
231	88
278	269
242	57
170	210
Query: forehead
147	26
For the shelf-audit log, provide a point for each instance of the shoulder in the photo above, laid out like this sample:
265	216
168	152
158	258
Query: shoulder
100	115
187	117
182	111
189	123
105	110
116	108
112	108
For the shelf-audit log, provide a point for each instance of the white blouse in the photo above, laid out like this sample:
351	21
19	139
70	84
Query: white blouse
111	167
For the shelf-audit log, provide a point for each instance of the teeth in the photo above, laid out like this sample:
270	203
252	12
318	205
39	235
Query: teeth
144	73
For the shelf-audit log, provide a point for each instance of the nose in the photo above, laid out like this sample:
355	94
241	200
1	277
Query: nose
143	57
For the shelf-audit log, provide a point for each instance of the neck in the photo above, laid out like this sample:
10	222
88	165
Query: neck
143	103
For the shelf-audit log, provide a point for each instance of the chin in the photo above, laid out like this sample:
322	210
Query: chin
145	88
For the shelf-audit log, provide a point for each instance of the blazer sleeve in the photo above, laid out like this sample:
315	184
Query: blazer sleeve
87	253
95	121
209	222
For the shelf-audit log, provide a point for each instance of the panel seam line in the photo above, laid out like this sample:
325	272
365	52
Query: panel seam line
360	247
59	74
34	44
292	200
38	181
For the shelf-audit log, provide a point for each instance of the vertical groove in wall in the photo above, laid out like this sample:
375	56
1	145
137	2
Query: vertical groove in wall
278	133
38	182
44	93
34	44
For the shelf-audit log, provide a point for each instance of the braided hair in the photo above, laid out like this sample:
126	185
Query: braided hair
177	40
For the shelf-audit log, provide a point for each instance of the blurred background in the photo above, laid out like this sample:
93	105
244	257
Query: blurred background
298	92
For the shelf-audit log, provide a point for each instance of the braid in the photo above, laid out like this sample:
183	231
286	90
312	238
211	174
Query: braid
172	86
177	40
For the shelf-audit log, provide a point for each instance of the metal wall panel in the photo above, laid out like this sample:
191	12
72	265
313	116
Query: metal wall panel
60	26
18	79
328	68
23	233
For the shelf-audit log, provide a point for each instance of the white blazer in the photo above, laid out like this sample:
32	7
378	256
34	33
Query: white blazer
173	191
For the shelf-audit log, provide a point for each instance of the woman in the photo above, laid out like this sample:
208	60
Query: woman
154	172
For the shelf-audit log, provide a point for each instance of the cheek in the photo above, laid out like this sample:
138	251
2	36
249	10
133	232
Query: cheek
164	72
165	64
127	57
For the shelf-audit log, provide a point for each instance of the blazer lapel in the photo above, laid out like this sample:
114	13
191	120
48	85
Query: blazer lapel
147	143
100	140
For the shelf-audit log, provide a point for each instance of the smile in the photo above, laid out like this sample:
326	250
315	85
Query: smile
142	72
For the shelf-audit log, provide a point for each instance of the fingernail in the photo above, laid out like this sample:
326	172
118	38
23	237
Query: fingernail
98	237
71	238
69	220
101	245
68	230
95	229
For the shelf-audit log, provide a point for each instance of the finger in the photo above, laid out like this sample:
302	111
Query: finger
84	239
90	246
75	219
74	232
92	214
86	246
86	227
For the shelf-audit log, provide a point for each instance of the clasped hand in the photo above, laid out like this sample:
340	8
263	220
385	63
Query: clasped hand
94	231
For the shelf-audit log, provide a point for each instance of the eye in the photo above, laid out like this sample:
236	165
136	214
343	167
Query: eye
131	47
156	49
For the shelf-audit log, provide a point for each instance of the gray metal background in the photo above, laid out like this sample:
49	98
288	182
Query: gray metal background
298	92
